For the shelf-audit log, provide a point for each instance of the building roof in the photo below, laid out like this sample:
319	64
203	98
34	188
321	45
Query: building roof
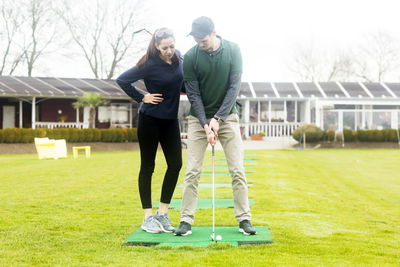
74	87
321	90
61	87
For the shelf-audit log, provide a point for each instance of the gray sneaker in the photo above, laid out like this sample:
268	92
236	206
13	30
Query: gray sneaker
184	229
150	225
164	223
246	228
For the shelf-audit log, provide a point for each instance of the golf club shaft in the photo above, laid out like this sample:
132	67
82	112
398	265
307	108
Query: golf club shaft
213	192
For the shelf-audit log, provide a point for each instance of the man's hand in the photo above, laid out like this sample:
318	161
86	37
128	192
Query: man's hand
153	98
214	126
211	137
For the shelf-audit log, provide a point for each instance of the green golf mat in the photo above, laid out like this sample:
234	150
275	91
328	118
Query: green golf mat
245	160
222	173
201	236
207	186
226	167
204	203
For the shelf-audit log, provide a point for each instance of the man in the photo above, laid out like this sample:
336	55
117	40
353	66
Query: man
212	75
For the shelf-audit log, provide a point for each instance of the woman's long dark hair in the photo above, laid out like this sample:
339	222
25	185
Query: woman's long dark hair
152	51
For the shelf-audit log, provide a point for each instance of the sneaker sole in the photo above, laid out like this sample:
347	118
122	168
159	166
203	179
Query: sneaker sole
185	234
246	233
162	228
150	231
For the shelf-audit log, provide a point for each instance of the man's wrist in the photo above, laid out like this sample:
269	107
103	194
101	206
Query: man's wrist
218	119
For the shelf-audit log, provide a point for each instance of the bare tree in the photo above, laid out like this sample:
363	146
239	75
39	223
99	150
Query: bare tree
304	63
340	68
378	57
312	65
42	29
104	34
10	24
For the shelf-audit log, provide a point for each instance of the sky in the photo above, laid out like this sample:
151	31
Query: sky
269	31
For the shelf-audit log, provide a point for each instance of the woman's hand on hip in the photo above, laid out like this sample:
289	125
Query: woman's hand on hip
153	98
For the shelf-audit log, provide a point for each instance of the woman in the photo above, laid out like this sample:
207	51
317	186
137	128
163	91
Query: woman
161	70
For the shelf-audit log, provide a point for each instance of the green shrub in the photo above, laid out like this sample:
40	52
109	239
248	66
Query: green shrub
18	135
50	133
329	135
40	132
27	135
312	132
106	135
87	135
350	135
339	136
96	135
73	135
63	133
362	135
132	135
118	135
390	135
8	135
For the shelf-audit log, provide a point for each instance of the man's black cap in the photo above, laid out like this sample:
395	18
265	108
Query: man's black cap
201	27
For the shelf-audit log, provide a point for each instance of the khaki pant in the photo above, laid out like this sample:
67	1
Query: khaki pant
231	141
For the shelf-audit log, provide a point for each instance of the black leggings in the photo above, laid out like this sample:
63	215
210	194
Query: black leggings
152	131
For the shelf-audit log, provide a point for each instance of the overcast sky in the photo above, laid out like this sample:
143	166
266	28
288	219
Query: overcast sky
268	31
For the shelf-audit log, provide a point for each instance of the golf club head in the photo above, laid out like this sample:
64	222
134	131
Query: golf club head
212	237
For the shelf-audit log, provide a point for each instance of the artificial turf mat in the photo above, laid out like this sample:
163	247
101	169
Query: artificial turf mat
245	160
226	167
204	203
207	186
200	237
222	173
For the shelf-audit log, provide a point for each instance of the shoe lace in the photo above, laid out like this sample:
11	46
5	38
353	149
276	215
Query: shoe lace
164	219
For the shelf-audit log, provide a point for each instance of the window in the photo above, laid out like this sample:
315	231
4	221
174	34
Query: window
381	120
254	111
385	107
277	111
337	106
264	111
119	113
349	120
331	120
291	112
299	107
104	114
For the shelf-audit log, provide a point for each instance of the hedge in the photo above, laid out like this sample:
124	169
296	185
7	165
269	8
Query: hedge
73	135
313	134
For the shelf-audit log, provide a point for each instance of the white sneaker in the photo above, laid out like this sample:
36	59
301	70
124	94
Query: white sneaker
164	223
150	225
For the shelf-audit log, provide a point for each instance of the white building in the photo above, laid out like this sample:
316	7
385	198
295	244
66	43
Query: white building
274	108
278	108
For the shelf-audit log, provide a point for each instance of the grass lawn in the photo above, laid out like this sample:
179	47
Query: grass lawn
324	207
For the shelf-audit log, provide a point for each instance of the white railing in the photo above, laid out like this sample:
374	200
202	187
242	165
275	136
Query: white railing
52	125
273	129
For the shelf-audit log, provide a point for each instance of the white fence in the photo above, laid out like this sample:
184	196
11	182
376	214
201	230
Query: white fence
53	125
271	129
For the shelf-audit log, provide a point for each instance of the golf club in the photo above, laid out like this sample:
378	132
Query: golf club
213	194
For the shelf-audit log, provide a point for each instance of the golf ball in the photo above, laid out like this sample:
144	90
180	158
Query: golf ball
219	238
